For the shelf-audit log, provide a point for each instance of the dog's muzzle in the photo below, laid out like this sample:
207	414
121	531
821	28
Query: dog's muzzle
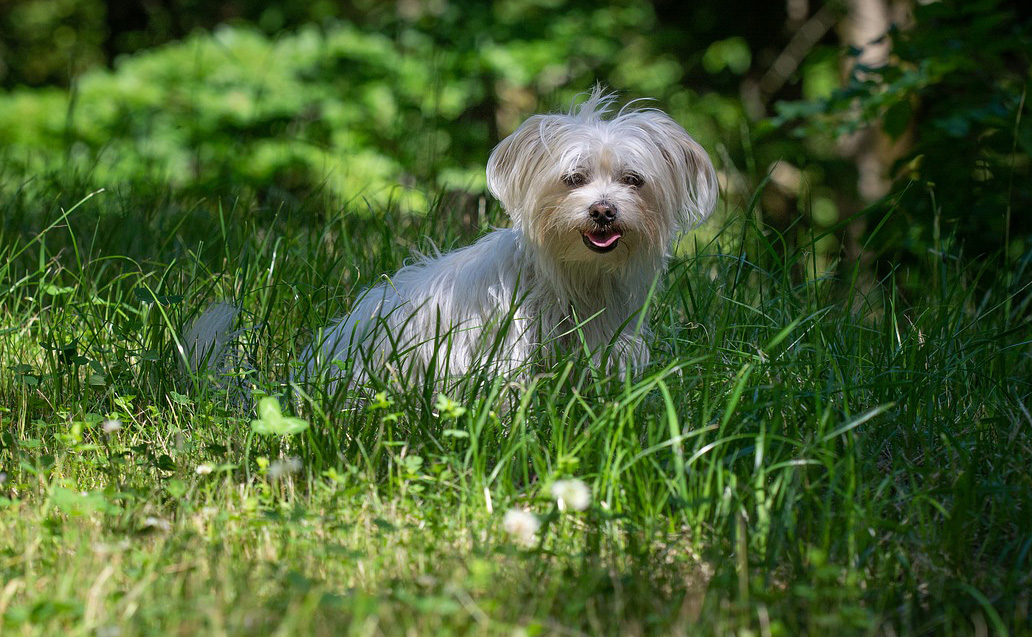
605	235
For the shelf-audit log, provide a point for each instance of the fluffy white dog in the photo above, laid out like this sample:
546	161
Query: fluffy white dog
596	200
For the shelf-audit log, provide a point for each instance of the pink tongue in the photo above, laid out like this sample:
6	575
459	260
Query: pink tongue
603	239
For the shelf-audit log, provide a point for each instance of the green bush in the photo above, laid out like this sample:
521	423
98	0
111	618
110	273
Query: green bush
336	109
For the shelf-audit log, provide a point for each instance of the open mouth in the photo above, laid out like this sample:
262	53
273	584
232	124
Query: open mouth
602	240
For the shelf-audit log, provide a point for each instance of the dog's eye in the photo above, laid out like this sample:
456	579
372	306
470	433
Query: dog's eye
632	180
575	180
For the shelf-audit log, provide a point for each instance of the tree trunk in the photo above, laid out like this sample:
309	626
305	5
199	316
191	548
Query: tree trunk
865	28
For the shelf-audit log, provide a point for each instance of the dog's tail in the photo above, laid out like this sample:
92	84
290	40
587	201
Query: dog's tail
211	350
206	340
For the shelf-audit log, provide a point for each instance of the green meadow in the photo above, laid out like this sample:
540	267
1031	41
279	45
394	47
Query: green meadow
792	461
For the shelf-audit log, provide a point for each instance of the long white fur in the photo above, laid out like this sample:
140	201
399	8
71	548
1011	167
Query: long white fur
535	282
519	293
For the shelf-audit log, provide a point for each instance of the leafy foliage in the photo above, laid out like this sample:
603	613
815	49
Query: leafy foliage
308	110
954	96
348	111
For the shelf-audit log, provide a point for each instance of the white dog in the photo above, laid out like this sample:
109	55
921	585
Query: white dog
595	202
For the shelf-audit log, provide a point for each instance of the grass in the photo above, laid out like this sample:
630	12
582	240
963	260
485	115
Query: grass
799	458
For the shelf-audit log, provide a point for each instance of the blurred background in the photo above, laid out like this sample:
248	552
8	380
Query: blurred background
878	133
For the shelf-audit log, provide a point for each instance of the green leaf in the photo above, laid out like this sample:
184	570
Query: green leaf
54	290
271	420
176	488
449	408
897	119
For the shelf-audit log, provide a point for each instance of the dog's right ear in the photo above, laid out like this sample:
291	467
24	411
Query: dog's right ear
520	164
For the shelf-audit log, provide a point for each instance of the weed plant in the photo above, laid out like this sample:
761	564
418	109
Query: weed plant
800	457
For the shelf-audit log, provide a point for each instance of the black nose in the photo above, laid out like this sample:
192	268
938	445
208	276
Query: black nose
602	212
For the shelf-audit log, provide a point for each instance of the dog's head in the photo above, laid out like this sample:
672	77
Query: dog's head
586	188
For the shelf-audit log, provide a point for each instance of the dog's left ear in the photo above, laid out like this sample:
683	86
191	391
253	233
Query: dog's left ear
693	179
517	163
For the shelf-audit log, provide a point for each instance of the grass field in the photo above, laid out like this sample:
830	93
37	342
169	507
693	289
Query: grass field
800	457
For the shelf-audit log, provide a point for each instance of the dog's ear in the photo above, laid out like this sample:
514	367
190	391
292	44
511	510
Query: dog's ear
518	163
693	180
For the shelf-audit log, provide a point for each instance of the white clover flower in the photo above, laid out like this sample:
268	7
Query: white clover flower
110	425
521	525
573	494
157	524
285	467
204	469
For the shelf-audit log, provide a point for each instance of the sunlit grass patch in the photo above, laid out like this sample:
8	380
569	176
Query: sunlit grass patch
795	459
